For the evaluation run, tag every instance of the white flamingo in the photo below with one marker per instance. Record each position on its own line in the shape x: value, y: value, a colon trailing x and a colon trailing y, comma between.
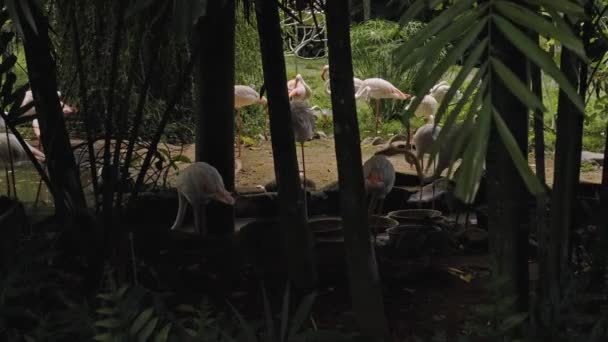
x: 196, y: 185
x: 244, y: 96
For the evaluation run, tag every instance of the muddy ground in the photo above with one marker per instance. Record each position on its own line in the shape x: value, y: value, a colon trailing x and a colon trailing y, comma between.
x: 258, y: 169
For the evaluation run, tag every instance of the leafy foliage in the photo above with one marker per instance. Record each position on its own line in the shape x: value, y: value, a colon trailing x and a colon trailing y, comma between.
x: 468, y: 25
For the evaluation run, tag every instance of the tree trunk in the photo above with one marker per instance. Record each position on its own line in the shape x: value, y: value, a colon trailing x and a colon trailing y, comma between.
x: 297, y: 237
x: 508, y: 198
x: 63, y: 171
x: 362, y: 269
x: 215, y: 125
x: 565, y: 180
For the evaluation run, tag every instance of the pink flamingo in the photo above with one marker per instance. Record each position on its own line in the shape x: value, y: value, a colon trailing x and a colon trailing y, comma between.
x: 377, y: 89
x: 298, y: 89
x: 244, y: 96
x: 357, y: 82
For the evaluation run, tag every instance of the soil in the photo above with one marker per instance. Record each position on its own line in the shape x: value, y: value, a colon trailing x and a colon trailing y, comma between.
x: 258, y: 167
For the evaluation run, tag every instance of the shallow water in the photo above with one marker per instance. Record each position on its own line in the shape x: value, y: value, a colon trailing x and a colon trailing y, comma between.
x: 30, y: 189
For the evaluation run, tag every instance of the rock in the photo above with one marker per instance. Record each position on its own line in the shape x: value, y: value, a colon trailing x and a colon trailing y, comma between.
x: 397, y: 137
x: 319, y: 135
x: 430, y: 192
x: 367, y: 141
x: 592, y: 157
x: 377, y: 141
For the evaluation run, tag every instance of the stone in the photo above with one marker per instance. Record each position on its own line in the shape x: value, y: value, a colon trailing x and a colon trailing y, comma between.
x: 592, y: 157
x: 377, y: 141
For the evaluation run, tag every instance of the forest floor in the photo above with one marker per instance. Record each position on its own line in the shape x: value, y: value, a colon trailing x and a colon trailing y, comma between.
x: 258, y: 167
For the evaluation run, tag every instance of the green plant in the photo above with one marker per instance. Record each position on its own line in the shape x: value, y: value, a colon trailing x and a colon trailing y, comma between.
x: 286, y: 329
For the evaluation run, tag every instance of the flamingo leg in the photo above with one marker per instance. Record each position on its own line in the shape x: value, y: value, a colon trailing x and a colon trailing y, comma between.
x: 377, y: 115
x: 181, y: 212
x: 304, y: 180
x: 239, y: 124
x: 266, y: 124
x: 39, y: 181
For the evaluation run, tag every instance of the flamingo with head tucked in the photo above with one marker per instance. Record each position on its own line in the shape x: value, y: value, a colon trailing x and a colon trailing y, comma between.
x: 298, y: 89
x: 377, y: 89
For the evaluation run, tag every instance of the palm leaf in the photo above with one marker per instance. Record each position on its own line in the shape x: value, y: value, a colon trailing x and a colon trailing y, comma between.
x: 451, y: 33
x: 565, y: 6
x: 516, y: 86
x: 464, y: 72
x: 540, y: 57
x: 450, y: 121
x: 437, y: 24
x: 474, y: 155
x: 532, y: 182
x: 525, y: 17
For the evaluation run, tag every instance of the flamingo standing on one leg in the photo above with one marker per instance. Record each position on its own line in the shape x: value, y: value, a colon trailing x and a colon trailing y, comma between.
x: 377, y: 89
x: 298, y: 89
x: 303, y: 124
x: 357, y: 82
x: 244, y: 96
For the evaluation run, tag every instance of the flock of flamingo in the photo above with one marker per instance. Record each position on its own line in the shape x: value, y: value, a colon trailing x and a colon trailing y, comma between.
x: 200, y: 182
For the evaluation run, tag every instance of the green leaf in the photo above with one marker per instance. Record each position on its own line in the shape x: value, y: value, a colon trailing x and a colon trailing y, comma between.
x: 451, y: 33
x: 521, y: 163
x: 301, y: 314
x: 107, y: 337
x: 449, y: 123
x: 163, y: 335
x: 425, y: 81
x: 270, y: 333
x: 185, y: 308
x: 182, y: 159
x: 249, y: 334
x: 525, y: 17
x: 147, y: 331
x: 513, y: 321
x: 540, y: 57
x: 110, y: 323
x: 106, y: 311
x: 437, y: 24
x: 412, y: 11
x: 564, y: 6
x: 516, y: 86
x: 474, y: 155
x: 141, y: 320
x: 464, y: 72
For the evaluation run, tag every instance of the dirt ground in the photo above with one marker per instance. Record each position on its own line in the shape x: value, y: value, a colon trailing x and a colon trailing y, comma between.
x: 258, y: 169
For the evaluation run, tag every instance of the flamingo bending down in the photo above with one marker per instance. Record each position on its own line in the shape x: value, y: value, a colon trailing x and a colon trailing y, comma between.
x: 198, y: 184
x: 357, y: 82
x: 377, y: 89
x: 298, y: 89
x: 11, y: 151
x: 379, y: 175
x: 244, y: 96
